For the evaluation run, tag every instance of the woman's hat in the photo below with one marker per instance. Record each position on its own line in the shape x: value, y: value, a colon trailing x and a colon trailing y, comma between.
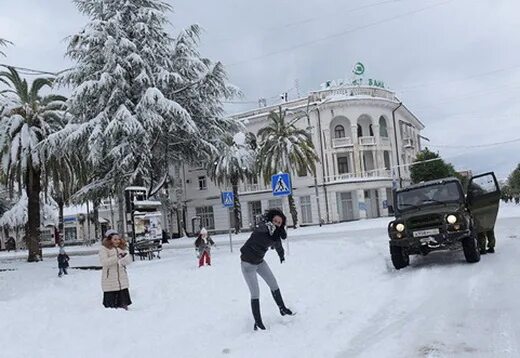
x: 203, y: 231
x: 111, y: 232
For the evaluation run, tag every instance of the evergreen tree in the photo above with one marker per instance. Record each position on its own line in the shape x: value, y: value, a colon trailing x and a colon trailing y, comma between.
x: 514, y: 181
x: 232, y: 162
x: 434, y: 167
x: 140, y: 97
x: 26, y: 120
x: 285, y: 148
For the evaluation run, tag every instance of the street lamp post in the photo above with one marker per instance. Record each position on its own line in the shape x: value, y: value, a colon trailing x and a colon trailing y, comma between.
x: 397, y: 146
x: 307, y: 115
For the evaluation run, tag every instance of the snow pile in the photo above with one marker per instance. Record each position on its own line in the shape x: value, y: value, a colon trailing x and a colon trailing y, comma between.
x: 349, y: 300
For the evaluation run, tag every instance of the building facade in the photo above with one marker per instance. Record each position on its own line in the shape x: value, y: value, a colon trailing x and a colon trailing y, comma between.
x: 365, y: 139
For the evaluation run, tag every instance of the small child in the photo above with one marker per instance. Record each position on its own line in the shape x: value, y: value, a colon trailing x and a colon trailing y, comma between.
x: 203, y: 246
x: 63, y: 262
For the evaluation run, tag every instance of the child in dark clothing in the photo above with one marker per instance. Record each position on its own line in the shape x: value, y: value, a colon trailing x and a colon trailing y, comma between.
x: 63, y: 262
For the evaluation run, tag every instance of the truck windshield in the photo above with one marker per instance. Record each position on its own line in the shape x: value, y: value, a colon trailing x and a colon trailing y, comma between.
x: 428, y: 195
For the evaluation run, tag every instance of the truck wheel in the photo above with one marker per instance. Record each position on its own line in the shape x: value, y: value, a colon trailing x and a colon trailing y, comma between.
x: 470, y: 247
x: 400, y: 258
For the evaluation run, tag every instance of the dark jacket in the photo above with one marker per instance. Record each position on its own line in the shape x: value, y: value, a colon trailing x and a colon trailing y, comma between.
x: 63, y: 261
x: 202, y: 246
x: 260, y: 241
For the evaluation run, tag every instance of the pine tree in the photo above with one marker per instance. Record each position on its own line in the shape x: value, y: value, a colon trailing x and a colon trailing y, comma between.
x: 433, y: 167
x: 285, y: 148
x: 140, y: 98
x: 26, y: 120
x: 233, y: 162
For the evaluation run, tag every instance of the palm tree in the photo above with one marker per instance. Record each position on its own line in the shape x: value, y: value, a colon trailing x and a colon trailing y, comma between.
x: 232, y: 162
x: 4, y: 43
x: 285, y: 148
x: 26, y: 120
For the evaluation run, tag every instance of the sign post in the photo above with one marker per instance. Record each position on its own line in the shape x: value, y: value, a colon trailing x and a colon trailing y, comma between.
x: 228, y: 201
x: 281, y: 185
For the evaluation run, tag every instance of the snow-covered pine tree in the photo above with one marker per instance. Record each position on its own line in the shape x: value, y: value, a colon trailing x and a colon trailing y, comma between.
x: 140, y: 97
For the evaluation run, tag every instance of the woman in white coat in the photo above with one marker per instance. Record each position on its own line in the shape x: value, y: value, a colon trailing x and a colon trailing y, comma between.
x: 114, y: 258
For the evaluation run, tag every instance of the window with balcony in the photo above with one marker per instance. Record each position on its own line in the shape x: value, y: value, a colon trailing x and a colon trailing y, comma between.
x: 343, y: 165
x: 383, y: 129
x: 386, y: 156
x: 339, y: 131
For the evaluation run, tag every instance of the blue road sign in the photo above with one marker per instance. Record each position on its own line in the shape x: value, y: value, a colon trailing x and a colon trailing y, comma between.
x: 228, y: 199
x: 281, y: 184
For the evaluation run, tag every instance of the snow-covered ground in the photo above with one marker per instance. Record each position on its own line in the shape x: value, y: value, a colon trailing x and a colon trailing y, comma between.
x: 350, y: 302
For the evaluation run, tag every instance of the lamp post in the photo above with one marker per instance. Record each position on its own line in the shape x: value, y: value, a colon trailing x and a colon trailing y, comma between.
x: 309, y: 127
x: 397, y: 145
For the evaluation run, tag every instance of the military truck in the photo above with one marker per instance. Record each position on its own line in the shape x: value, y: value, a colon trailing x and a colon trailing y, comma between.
x: 438, y: 215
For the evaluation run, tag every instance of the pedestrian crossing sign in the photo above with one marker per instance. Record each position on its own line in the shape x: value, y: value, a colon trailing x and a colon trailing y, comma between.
x: 228, y: 199
x: 281, y: 184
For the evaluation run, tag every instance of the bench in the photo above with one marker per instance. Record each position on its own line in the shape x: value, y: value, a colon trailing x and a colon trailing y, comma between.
x: 146, y: 249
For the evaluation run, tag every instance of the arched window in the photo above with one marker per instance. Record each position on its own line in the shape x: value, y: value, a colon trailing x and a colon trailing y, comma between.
x: 383, y: 129
x: 359, y: 131
x: 339, y: 131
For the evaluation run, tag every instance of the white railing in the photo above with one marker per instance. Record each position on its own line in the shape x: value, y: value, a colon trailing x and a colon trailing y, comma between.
x: 342, y: 142
x: 247, y: 188
x: 408, y: 143
x: 354, y: 91
x: 385, y: 141
x: 367, y: 140
x: 376, y: 173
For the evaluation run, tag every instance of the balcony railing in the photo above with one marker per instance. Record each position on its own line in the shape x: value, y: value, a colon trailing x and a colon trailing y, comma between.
x: 247, y: 188
x: 367, y: 140
x: 342, y: 142
x: 385, y: 141
x: 371, y: 174
x: 408, y: 143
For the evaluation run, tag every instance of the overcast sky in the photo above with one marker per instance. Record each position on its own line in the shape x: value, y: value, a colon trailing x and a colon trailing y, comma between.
x: 455, y: 64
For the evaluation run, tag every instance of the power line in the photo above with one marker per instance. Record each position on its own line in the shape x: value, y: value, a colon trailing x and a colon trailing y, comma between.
x: 30, y: 71
x: 339, y: 34
x: 312, y: 19
x: 475, y: 146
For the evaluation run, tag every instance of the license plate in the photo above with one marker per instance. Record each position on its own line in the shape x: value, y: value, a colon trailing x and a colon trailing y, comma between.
x: 423, y: 233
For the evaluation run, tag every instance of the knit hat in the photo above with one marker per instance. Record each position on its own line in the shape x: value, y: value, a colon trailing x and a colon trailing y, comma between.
x: 111, y: 232
x: 203, y: 231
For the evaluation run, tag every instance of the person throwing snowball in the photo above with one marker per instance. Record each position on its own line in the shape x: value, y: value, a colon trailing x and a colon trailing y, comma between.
x: 268, y: 234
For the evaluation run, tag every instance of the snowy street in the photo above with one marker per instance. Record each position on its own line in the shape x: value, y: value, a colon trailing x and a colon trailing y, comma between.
x: 350, y: 302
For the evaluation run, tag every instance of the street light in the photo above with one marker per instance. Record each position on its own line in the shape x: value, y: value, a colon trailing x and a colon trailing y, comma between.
x: 397, y: 145
x: 309, y: 127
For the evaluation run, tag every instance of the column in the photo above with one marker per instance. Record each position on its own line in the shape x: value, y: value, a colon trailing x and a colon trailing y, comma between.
x: 356, y: 149
x: 382, y: 198
x: 362, y: 205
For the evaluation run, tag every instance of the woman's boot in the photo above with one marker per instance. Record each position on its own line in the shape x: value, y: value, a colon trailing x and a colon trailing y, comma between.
x: 279, y: 302
x: 255, y: 307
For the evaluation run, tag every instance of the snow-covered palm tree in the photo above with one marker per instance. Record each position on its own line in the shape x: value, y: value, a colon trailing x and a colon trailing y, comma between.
x: 4, y: 43
x: 233, y: 162
x: 27, y: 118
x: 285, y: 148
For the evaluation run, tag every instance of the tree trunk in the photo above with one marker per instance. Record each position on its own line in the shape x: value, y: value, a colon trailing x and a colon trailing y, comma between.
x: 32, y: 234
x: 95, y: 214
x: 61, y: 234
x: 121, y: 222
x: 237, y: 210
x: 292, y: 209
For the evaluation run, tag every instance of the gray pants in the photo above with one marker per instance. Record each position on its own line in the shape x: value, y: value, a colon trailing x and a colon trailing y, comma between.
x: 249, y: 271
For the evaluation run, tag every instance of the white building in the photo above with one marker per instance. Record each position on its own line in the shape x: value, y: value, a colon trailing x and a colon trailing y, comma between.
x: 363, y: 151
